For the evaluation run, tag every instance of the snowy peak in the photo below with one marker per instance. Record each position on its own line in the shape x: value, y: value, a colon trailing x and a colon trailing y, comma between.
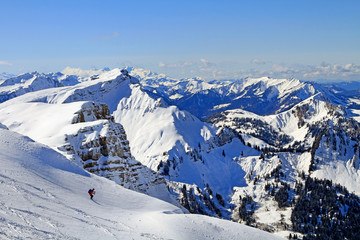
x: 25, y: 83
x: 110, y: 87
x: 280, y: 129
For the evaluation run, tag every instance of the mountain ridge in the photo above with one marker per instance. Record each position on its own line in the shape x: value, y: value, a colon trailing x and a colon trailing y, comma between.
x: 237, y: 165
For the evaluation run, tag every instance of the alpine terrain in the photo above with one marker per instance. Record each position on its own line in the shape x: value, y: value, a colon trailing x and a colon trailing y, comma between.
x: 280, y: 155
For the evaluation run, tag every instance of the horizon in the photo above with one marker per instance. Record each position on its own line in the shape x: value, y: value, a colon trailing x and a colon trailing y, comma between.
x: 306, y: 40
x: 96, y: 71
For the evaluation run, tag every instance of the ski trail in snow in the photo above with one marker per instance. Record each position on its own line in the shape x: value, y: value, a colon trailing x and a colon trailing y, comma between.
x: 31, y: 219
x: 42, y: 200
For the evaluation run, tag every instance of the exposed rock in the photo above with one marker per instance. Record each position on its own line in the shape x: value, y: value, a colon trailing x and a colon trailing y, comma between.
x: 101, y: 146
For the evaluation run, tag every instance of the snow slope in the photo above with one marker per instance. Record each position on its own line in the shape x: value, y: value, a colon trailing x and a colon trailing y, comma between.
x: 161, y: 134
x: 44, y: 196
x: 97, y: 144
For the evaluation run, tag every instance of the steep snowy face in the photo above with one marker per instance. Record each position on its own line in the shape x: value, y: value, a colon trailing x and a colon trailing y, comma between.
x: 155, y: 128
x: 25, y: 83
x: 110, y: 87
x: 194, y: 157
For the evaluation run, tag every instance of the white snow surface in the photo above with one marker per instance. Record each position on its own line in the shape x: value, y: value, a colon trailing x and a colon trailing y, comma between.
x: 44, y: 196
x: 43, y: 122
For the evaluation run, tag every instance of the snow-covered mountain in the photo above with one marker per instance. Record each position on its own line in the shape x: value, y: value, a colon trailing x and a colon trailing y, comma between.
x: 241, y: 164
x: 204, y: 98
x: 312, y: 140
x: 262, y: 96
x: 44, y: 196
x: 12, y: 86
x: 4, y: 76
x: 83, y: 131
x: 172, y: 144
x: 28, y: 82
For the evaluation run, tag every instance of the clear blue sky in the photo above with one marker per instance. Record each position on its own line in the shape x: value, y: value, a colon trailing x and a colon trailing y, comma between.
x: 312, y: 39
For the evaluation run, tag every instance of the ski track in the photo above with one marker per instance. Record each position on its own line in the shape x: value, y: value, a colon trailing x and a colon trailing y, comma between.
x: 34, y: 223
x: 31, y: 219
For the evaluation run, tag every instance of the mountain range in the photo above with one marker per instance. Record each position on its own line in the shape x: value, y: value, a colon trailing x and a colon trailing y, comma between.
x: 253, y: 151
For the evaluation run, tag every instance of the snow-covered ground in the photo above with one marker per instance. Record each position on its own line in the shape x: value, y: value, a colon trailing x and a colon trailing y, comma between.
x: 44, y: 196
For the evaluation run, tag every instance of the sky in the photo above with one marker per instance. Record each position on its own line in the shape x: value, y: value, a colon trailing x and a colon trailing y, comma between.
x: 305, y: 39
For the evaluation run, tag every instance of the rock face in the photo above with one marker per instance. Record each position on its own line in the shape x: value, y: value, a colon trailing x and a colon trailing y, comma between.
x: 100, y: 145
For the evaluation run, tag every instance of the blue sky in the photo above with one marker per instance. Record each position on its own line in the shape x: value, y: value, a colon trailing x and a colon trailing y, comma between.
x: 308, y: 40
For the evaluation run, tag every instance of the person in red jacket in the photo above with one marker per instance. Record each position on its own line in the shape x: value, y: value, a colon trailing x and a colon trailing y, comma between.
x: 91, y: 193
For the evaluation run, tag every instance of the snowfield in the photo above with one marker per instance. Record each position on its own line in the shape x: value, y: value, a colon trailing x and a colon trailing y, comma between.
x: 44, y: 196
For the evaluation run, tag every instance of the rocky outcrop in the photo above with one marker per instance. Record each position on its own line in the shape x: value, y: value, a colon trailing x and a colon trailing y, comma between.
x: 91, y: 112
x: 102, y: 148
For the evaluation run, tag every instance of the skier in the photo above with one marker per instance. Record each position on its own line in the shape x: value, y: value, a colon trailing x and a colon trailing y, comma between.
x: 91, y: 193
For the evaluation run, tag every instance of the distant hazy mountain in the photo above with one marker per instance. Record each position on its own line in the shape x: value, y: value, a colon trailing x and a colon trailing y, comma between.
x: 4, y: 76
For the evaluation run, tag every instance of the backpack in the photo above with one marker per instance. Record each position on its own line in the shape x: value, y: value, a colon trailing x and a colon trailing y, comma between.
x: 90, y: 190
